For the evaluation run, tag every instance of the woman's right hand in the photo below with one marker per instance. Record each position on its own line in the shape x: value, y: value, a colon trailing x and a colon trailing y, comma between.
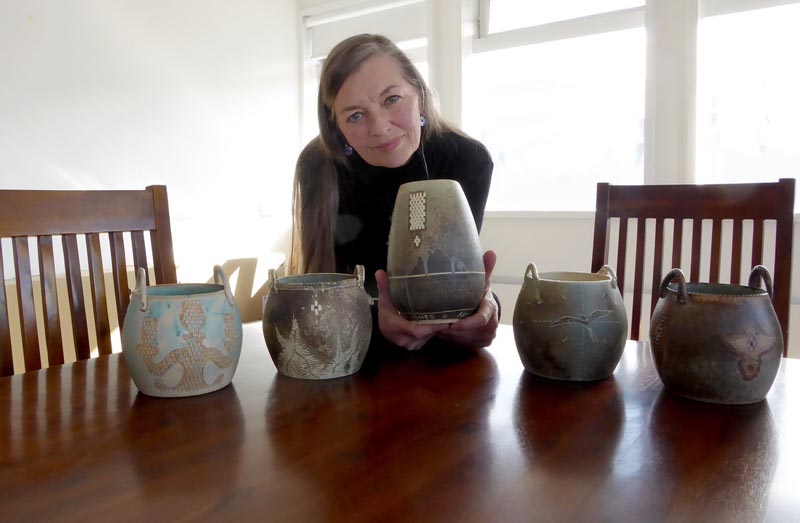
x: 396, y: 329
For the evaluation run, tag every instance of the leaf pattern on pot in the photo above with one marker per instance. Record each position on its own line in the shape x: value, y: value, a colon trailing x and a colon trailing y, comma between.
x: 298, y: 358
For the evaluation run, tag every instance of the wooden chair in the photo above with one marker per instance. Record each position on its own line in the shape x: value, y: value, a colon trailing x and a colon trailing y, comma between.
x: 679, y: 211
x: 106, y: 221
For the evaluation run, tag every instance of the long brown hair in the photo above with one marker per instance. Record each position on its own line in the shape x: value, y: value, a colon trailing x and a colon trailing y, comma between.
x: 315, y: 199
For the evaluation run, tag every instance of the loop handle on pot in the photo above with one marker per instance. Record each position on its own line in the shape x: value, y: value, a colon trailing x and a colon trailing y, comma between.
x: 532, y: 274
x: 606, y: 270
x: 222, y: 279
x: 359, y: 274
x: 671, y: 275
x: 141, y: 287
x: 760, y: 272
x: 271, y: 279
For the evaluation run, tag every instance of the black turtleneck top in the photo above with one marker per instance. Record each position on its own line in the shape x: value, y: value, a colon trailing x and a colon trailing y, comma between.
x: 367, y: 194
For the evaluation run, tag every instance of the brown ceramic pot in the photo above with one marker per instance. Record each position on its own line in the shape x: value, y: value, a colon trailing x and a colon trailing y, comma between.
x: 435, y: 262
x: 317, y: 326
x: 716, y: 342
x: 570, y: 325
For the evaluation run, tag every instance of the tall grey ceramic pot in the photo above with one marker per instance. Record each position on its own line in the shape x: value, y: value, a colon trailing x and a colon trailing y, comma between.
x: 435, y: 261
x: 717, y: 342
x: 570, y: 325
x: 317, y: 326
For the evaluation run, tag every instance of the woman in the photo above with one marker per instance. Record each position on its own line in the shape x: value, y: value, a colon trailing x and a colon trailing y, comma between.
x: 380, y: 128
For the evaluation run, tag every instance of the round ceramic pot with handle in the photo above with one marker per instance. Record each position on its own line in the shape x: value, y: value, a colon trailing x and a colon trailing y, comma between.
x: 435, y: 263
x: 570, y: 325
x: 717, y: 342
x: 317, y: 326
x: 182, y: 339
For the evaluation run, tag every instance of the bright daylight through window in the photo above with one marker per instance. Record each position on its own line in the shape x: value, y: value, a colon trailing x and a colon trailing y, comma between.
x: 560, y: 115
x: 748, y: 103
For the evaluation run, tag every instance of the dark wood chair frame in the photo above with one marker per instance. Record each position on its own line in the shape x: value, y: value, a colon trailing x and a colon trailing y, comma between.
x: 42, y: 215
x: 758, y: 202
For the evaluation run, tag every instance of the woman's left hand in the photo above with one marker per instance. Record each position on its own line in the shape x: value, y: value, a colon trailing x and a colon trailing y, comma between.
x: 477, y: 331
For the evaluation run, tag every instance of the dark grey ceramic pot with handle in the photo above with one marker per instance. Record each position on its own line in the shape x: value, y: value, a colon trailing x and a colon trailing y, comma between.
x: 717, y: 342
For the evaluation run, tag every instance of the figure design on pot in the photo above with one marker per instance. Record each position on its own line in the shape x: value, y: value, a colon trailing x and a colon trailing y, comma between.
x: 749, y: 348
x: 194, y: 355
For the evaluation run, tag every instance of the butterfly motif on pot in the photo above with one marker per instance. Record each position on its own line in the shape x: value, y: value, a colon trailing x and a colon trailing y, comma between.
x: 749, y: 348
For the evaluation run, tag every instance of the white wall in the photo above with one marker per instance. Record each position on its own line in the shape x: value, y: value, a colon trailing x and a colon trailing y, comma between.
x: 198, y: 95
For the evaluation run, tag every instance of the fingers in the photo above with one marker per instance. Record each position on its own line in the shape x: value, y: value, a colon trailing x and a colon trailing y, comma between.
x: 395, y: 328
x: 485, y: 315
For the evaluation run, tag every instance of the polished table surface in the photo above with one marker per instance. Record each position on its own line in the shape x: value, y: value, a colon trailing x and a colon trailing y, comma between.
x: 440, y: 435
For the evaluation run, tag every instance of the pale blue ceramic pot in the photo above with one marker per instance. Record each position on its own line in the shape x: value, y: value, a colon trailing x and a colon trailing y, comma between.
x: 182, y: 339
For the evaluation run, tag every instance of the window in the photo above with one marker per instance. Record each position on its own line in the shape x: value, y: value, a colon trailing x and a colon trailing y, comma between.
x: 505, y: 15
x: 561, y: 113
x: 748, y: 103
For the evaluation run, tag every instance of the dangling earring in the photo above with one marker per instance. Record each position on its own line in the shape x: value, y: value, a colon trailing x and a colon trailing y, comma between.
x: 422, y: 121
x: 347, y: 149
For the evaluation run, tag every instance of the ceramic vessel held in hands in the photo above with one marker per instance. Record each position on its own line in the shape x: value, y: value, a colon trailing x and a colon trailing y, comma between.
x: 435, y: 262
x: 716, y: 342
x: 570, y: 325
x: 182, y: 339
x: 317, y: 326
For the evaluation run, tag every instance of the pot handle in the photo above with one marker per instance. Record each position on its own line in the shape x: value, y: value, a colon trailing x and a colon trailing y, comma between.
x: 141, y: 287
x: 532, y: 274
x: 222, y: 279
x: 359, y: 274
x: 760, y: 272
x: 671, y: 275
x: 271, y: 279
x: 606, y: 270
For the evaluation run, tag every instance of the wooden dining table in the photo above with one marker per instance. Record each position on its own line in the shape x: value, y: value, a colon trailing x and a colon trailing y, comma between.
x: 433, y: 435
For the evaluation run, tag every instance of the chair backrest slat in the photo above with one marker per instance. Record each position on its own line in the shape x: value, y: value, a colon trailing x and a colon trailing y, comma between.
x: 98, y: 286
x: 52, y: 321
x: 120, y: 274
x: 694, y: 254
x: 716, y: 247
x: 736, y: 250
x: 27, y: 311
x: 758, y: 242
x: 139, y: 253
x: 695, y: 209
x: 6, y: 355
x: 77, y: 306
x: 657, y: 260
x: 677, y: 242
x: 621, y: 254
x: 105, y: 220
x: 638, y: 274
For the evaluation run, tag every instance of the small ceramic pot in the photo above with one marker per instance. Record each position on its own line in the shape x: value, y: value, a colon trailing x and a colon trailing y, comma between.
x: 183, y: 339
x: 435, y: 262
x: 317, y: 326
x: 716, y: 342
x: 570, y: 325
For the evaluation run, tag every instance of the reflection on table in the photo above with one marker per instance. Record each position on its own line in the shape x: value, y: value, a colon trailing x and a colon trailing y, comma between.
x: 438, y: 435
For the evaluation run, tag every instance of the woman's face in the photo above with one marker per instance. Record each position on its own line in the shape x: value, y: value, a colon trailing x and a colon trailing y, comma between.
x: 377, y: 110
